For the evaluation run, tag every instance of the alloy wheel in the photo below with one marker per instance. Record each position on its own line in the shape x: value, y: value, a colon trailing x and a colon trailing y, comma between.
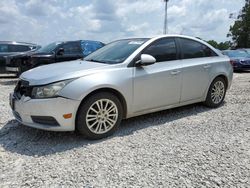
x: 218, y: 91
x: 102, y: 116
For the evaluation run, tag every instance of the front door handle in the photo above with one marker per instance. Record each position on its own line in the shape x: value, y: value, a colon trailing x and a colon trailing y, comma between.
x: 206, y: 66
x: 175, y: 72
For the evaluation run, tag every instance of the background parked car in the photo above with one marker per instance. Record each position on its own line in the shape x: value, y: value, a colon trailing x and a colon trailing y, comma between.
x: 52, y: 53
x: 246, y: 50
x: 240, y: 59
x: 9, y: 48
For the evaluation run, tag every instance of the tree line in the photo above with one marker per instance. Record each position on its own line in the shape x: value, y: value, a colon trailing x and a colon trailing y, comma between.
x: 239, y: 32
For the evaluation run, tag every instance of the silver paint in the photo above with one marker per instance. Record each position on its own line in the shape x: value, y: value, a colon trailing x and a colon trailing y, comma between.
x: 145, y: 89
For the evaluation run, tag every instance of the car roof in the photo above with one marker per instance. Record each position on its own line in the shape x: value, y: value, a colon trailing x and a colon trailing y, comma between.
x: 179, y: 36
x: 233, y: 50
x: 14, y: 42
x: 94, y: 41
x: 75, y: 41
x: 176, y: 36
x: 244, y: 49
x: 162, y: 36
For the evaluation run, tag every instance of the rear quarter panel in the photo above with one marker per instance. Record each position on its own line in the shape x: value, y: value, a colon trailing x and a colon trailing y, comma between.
x: 220, y: 66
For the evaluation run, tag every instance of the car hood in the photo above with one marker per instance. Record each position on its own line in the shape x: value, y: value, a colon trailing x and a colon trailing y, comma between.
x: 61, y: 71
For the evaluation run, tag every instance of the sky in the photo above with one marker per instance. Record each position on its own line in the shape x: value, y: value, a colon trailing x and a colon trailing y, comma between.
x: 46, y: 21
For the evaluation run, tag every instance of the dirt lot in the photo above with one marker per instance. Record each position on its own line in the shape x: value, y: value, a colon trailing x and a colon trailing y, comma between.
x: 191, y: 146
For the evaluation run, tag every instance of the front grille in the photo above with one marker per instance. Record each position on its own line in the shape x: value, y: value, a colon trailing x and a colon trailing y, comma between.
x: 23, y: 88
x: 45, y: 120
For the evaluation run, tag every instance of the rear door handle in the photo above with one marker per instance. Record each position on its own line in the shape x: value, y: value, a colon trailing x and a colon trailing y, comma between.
x: 206, y: 66
x: 175, y: 72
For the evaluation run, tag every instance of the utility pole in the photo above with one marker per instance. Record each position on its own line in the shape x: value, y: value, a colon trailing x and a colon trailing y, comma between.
x: 165, y: 29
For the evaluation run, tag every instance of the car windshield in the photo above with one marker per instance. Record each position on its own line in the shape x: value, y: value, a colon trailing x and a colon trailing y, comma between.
x: 237, y: 53
x: 49, y: 48
x: 116, y: 52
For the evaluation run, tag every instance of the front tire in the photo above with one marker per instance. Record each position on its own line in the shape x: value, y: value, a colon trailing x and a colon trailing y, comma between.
x: 99, y: 115
x: 216, y: 93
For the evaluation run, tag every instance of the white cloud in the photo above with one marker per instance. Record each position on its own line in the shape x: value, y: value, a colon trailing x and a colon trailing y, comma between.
x: 179, y: 11
x: 9, y: 11
x: 46, y: 21
x: 125, y: 7
x: 39, y: 8
x: 138, y: 30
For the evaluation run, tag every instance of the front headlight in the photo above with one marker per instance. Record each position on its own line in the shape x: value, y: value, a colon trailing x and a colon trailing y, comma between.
x: 50, y: 90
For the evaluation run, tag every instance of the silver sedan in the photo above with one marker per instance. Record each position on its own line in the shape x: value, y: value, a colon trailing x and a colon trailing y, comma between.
x: 125, y: 78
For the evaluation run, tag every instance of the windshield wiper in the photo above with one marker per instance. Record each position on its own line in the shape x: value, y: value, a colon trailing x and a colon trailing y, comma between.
x: 94, y: 60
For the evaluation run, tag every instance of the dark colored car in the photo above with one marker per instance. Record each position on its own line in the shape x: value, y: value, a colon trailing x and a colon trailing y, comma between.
x: 9, y: 48
x: 52, y: 53
x: 240, y: 59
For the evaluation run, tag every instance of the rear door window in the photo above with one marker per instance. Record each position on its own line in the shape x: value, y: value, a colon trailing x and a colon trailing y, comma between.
x: 18, y: 48
x: 162, y: 50
x: 194, y: 49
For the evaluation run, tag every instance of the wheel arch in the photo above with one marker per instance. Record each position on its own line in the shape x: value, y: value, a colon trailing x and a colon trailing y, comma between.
x: 211, y: 81
x: 223, y: 76
x: 109, y: 90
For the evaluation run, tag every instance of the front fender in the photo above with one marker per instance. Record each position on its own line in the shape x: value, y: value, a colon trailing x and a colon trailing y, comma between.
x: 119, y: 80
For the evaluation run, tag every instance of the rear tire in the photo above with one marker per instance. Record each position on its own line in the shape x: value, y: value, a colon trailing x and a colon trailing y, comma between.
x: 216, y: 93
x: 99, y: 115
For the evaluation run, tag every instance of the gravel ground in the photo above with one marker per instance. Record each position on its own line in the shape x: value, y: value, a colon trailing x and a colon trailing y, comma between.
x: 191, y: 146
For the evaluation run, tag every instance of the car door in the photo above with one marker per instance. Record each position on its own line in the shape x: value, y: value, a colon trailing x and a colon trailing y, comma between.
x: 159, y: 84
x: 197, y: 61
x: 72, y: 51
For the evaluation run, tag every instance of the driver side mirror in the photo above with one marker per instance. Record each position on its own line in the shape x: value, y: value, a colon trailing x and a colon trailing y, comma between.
x: 60, y: 51
x: 146, y: 60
